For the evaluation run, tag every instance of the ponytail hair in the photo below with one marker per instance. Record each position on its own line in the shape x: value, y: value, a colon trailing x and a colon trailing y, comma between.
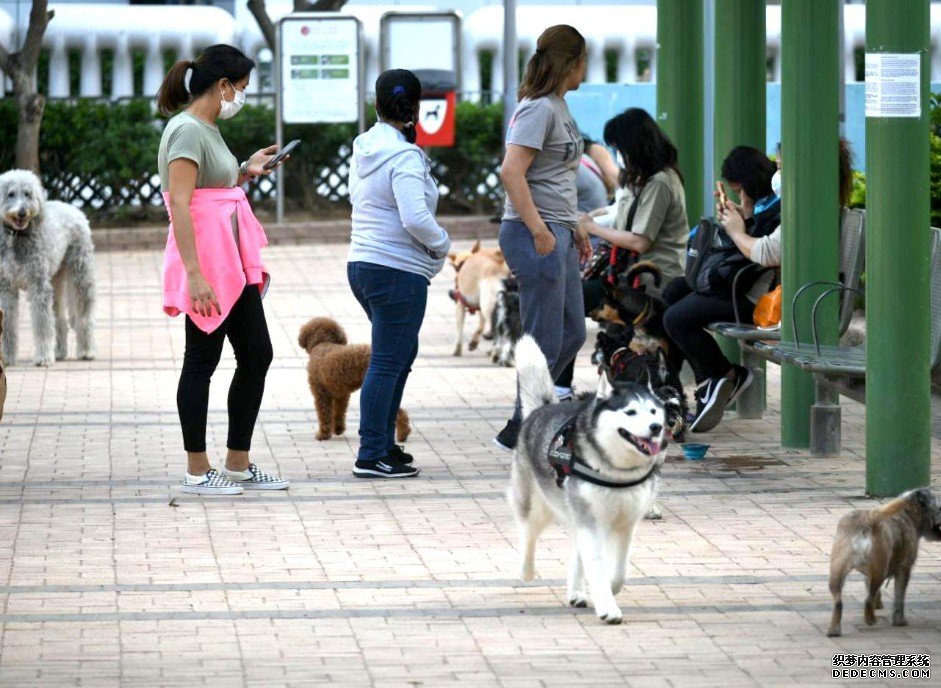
x: 558, y: 49
x: 189, y: 79
x: 398, y: 92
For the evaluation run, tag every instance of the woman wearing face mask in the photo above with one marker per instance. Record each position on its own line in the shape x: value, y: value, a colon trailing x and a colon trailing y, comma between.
x: 213, y: 271
x: 748, y: 172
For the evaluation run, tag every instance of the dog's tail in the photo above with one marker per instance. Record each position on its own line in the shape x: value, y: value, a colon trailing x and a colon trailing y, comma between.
x: 319, y: 331
x: 887, y: 510
x: 535, y: 381
x: 643, y: 267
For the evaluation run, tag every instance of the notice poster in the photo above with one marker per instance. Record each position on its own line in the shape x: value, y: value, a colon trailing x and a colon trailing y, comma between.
x: 893, y: 85
x: 320, y: 63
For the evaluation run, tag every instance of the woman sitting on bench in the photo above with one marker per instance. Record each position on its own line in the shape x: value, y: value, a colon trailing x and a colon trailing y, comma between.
x: 755, y: 228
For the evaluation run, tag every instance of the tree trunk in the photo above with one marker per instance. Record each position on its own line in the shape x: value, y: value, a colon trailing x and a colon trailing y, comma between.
x: 20, y: 67
x: 29, y: 106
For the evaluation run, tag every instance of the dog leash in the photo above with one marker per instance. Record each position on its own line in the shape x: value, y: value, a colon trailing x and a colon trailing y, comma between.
x: 564, y: 461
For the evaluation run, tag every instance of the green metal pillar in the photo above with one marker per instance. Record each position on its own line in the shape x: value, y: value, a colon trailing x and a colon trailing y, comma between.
x: 898, y: 401
x: 740, y: 88
x: 680, y: 90
x: 810, y: 131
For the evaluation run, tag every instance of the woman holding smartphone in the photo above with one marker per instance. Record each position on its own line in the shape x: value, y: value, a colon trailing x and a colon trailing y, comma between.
x: 539, y: 235
x: 213, y: 271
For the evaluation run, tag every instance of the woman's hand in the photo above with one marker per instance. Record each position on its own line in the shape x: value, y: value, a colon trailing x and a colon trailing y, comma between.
x: 583, y: 243
x: 731, y: 218
x: 544, y: 241
x: 587, y: 224
x: 203, y: 297
x: 260, y: 158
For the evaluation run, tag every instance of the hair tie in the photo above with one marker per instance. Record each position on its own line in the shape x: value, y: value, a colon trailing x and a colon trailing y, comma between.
x: 398, y: 90
x: 188, y: 77
x: 408, y: 124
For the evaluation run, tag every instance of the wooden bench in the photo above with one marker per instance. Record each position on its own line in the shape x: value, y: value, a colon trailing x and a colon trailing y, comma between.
x: 842, y: 369
x: 751, y: 404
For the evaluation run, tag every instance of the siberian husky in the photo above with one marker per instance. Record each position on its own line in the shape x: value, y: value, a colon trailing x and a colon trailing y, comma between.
x: 593, y: 467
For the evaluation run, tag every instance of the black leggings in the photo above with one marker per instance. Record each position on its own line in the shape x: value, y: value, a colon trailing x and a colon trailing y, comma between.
x: 247, y: 331
x: 686, y: 317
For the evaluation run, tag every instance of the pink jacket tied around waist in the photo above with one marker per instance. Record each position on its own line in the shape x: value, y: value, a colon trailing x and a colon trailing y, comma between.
x: 228, y: 263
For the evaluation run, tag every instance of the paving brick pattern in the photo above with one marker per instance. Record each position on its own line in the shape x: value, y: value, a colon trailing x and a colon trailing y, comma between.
x: 358, y: 583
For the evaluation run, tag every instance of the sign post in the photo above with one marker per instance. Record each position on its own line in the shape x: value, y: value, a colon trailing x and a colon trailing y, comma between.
x: 318, y: 76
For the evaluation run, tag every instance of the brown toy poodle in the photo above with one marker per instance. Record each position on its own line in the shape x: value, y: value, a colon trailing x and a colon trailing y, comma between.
x: 336, y: 370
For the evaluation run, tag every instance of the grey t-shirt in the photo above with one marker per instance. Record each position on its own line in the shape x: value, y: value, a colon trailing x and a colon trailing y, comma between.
x: 547, y: 125
x: 589, y: 186
x: 189, y: 137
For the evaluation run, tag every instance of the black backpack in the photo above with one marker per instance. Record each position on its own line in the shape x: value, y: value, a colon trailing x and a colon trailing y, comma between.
x: 713, y: 259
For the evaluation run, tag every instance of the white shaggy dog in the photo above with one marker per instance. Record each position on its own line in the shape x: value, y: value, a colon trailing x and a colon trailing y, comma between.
x: 46, y: 250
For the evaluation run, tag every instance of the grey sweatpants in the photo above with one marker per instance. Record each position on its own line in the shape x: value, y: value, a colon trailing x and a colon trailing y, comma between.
x: 551, y: 303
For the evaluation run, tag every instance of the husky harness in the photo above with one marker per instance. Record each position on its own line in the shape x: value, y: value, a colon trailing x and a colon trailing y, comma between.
x: 564, y: 461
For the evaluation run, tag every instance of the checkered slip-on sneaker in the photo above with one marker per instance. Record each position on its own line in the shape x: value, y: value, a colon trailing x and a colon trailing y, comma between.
x: 210, y: 483
x: 256, y: 479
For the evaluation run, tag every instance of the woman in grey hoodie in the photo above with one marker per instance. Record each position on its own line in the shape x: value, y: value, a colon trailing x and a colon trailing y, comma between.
x: 396, y: 248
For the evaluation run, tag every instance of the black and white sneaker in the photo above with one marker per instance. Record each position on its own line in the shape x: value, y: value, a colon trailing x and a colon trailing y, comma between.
x: 712, y: 396
x: 253, y: 478
x: 743, y: 378
x: 383, y: 468
x: 399, y: 454
x: 506, y: 439
x: 212, y: 482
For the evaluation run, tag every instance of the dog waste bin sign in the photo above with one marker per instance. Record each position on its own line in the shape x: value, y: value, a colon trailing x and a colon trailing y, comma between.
x: 436, y: 113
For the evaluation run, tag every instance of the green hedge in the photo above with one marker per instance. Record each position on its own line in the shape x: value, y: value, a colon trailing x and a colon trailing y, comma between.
x: 109, y: 151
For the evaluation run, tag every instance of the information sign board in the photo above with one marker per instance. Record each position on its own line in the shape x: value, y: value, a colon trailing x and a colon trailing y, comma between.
x: 321, y: 64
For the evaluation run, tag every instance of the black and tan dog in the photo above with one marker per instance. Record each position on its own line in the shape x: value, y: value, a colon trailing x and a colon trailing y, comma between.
x: 882, y: 543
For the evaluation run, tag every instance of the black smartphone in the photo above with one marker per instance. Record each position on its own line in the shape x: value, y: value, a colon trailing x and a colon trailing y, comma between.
x: 280, y: 155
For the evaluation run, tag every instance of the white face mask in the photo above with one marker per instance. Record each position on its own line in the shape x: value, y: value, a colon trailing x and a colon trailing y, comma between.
x: 776, y: 183
x: 230, y: 108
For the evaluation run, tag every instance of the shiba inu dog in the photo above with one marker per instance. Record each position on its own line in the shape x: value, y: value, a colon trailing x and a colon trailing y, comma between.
x: 592, y: 466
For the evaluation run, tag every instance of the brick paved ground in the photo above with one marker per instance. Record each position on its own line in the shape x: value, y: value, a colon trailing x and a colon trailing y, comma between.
x: 355, y: 583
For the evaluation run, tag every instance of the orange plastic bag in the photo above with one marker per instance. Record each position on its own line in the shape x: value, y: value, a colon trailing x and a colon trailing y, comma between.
x: 768, y: 309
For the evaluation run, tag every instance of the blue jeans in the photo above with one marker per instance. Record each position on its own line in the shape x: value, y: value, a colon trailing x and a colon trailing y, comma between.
x: 394, y: 301
x: 551, y: 302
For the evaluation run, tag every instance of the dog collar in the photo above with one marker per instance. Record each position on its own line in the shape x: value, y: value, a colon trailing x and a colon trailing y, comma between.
x: 566, y: 463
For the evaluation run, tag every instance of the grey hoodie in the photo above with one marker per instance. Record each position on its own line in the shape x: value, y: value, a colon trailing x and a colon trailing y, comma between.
x: 394, y: 199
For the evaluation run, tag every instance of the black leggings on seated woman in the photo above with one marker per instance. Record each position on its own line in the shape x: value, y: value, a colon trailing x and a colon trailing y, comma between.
x: 685, y: 320
x: 247, y: 331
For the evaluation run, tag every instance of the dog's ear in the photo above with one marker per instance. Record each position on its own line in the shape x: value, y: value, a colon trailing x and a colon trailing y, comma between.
x: 452, y: 257
x: 605, y: 388
x: 923, y: 497
x: 475, y: 247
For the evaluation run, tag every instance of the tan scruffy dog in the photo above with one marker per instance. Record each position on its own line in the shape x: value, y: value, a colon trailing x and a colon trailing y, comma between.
x: 336, y: 370
x: 3, y: 374
x: 882, y: 543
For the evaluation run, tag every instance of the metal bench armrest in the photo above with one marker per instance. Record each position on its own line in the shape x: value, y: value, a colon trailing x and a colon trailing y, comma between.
x: 748, y: 268
x: 797, y: 295
x: 813, y: 314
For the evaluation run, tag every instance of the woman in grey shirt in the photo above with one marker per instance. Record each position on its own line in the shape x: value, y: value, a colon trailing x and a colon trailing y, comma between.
x: 539, y: 235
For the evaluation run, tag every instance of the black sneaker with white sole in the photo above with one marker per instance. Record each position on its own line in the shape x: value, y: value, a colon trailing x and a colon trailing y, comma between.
x: 743, y: 378
x: 712, y: 396
x: 383, y: 468
x: 399, y: 454
x: 506, y: 439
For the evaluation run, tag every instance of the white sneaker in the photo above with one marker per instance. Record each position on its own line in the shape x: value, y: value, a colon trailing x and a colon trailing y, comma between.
x: 255, y: 479
x: 210, y: 483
